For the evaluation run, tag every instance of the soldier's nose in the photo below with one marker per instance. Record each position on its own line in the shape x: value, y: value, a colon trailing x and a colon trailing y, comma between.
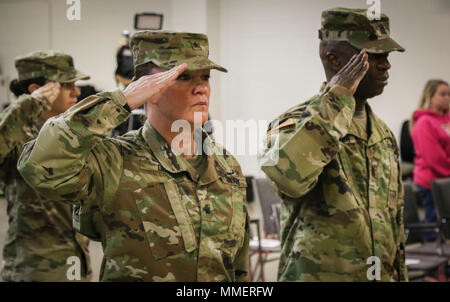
x: 200, y: 89
x: 76, y: 91
x: 384, y: 64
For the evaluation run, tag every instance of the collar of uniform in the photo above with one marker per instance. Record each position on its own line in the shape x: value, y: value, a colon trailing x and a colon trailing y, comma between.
x: 323, y: 87
x: 354, y: 131
x: 161, y: 150
x: 379, y: 129
x: 172, y: 163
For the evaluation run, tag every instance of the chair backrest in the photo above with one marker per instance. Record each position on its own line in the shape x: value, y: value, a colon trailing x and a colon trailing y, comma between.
x: 267, y: 198
x: 411, y: 213
x: 250, y: 193
x: 407, y: 152
x: 276, y: 210
x: 440, y: 189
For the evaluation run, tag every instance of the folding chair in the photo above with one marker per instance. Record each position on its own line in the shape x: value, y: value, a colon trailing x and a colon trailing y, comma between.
x: 425, y: 258
x: 441, y: 197
x: 267, y: 239
x: 440, y: 189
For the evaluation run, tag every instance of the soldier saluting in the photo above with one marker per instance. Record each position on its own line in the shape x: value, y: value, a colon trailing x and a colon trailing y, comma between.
x: 160, y: 216
x: 40, y: 236
x: 338, y: 172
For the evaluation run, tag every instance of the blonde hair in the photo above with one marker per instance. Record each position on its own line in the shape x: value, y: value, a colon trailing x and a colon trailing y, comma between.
x: 425, y: 100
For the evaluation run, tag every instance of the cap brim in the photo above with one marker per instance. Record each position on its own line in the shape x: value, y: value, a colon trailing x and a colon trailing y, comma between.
x: 77, y: 77
x: 194, y: 64
x: 378, y: 46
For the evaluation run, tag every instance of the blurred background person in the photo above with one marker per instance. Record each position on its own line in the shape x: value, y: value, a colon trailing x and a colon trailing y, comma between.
x: 123, y: 75
x: 430, y: 126
x: 40, y: 237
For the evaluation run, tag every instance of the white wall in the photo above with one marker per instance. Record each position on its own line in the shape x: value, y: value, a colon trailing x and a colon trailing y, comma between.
x: 18, y: 35
x: 29, y: 25
x: 270, y: 47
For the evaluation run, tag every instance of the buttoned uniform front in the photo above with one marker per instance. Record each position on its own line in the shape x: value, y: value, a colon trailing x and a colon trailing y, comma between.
x: 341, y: 192
x: 157, y: 218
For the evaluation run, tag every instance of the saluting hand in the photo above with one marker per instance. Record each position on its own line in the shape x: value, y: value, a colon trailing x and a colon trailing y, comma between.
x: 149, y: 87
x: 50, y: 91
x: 352, y: 73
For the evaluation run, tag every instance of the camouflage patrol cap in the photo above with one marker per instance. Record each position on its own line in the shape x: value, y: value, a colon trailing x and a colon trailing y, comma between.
x: 168, y: 49
x: 49, y: 64
x: 353, y: 26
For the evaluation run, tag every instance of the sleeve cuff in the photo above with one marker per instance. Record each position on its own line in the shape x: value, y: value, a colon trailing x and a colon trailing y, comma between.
x: 41, y: 100
x: 341, y: 91
x: 344, y: 97
x: 119, y: 98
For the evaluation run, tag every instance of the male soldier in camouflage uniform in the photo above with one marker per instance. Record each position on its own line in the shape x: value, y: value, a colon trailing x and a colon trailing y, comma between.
x: 338, y: 172
x: 160, y: 216
x: 40, y: 237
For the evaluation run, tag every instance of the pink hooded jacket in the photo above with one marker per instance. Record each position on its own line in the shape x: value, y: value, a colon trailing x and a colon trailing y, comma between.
x: 432, y: 146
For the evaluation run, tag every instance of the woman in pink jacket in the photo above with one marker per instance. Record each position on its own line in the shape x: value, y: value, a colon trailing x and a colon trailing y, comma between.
x: 431, y: 136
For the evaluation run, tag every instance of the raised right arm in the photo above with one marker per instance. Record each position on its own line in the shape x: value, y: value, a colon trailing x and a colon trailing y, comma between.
x: 70, y: 159
x: 306, y: 140
x: 17, y: 120
x: 303, y: 141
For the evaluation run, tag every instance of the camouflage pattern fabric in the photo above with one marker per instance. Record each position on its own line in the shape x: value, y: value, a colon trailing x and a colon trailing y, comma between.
x: 342, y: 195
x: 40, y: 236
x: 157, y: 219
x: 168, y: 49
x: 49, y: 64
x: 353, y: 26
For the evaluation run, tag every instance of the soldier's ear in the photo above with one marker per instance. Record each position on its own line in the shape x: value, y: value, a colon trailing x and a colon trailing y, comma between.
x: 33, y: 87
x: 333, y: 61
x: 153, y: 100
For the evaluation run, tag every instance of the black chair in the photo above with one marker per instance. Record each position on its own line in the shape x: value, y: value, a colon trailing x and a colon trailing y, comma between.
x: 441, y: 196
x: 250, y: 192
x: 413, y: 226
x: 407, y: 152
x: 440, y: 247
x: 420, y: 266
x: 426, y: 258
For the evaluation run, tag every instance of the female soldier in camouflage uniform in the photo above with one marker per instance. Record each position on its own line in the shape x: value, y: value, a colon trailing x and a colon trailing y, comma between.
x: 160, y: 216
x: 40, y: 237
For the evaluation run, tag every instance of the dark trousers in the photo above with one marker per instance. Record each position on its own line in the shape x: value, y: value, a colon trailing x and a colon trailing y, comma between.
x: 430, y: 212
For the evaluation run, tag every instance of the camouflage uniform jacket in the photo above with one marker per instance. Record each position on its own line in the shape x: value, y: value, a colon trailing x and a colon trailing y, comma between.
x: 40, y: 236
x: 156, y: 223
x: 342, y: 194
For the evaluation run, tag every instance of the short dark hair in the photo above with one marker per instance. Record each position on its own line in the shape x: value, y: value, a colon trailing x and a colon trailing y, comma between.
x: 143, y: 70
x: 21, y: 87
